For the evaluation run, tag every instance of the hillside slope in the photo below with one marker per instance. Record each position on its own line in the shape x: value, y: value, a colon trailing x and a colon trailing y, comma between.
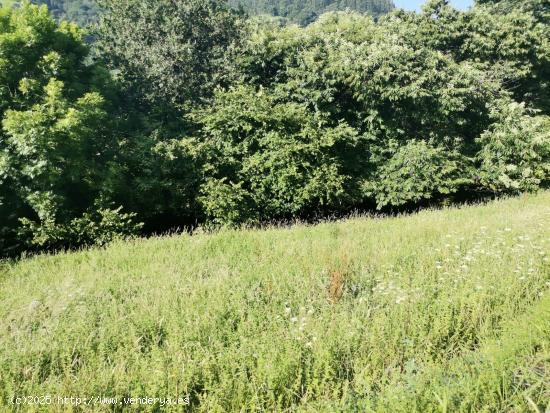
x: 443, y: 310
x: 82, y: 12
x: 306, y: 11
x: 298, y: 11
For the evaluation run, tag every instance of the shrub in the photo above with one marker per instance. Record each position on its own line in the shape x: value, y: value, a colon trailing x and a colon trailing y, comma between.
x: 419, y: 171
x: 267, y: 160
x: 515, y: 154
x: 59, y: 149
x: 99, y: 225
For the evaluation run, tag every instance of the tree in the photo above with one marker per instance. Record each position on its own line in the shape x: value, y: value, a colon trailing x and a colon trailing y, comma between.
x: 538, y: 8
x: 209, y: 118
x: 504, y: 38
x: 169, y: 51
x: 82, y: 12
x: 56, y: 146
x: 515, y: 154
x: 341, y: 114
x: 264, y: 160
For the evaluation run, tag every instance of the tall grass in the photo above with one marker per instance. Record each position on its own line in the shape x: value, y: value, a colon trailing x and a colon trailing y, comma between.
x: 441, y: 311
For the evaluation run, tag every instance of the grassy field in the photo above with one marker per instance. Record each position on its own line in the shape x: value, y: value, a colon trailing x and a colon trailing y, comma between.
x: 440, y: 311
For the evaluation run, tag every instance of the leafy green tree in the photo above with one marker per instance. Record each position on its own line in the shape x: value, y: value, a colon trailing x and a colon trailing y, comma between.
x: 170, y: 51
x: 538, y: 8
x: 265, y: 160
x: 510, y: 43
x: 305, y: 11
x: 515, y: 154
x: 56, y: 146
x: 164, y: 72
x: 384, y: 88
x: 516, y: 39
x: 417, y: 113
x: 82, y: 12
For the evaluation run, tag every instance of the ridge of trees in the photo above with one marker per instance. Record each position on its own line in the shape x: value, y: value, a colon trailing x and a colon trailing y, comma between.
x: 185, y: 113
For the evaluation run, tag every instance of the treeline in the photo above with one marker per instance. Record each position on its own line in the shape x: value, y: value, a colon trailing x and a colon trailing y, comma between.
x: 184, y: 112
x: 84, y: 12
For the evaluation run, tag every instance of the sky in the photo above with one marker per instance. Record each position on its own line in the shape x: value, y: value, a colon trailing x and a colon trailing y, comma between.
x: 416, y: 4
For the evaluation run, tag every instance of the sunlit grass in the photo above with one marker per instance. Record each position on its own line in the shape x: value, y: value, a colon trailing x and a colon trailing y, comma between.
x: 439, y: 311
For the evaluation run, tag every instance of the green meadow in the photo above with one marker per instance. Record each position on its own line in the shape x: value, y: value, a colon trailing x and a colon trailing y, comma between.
x: 439, y: 311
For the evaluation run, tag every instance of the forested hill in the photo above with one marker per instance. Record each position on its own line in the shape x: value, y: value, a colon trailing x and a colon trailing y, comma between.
x: 306, y: 11
x: 82, y: 12
x: 299, y: 11
x: 303, y: 12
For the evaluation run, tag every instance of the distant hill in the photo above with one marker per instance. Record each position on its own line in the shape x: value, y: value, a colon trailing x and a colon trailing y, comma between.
x: 306, y: 11
x: 84, y: 12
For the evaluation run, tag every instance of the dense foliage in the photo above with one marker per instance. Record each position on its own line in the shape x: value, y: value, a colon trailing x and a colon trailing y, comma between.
x: 169, y: 51
x: 188, y: 113
x: 56, y: 151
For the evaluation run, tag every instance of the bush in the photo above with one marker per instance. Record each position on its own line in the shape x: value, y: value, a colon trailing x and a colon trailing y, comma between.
x: 100, y: 225
x: 515, y: 154
x: 419, y: 171
x: 58, y: 150
x: 265, y: 160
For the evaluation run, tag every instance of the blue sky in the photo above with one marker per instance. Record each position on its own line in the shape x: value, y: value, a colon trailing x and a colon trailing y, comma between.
x: 415, y: 4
